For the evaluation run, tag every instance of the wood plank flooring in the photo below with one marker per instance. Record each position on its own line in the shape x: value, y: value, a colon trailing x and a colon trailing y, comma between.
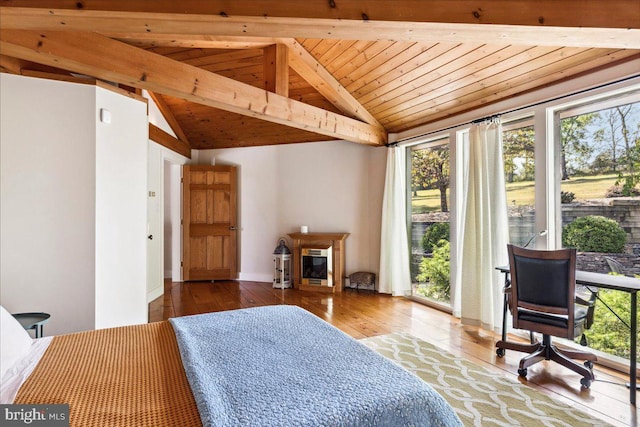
x: 363, y: 314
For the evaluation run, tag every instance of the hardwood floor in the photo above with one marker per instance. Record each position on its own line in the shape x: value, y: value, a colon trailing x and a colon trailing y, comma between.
x: 363, y: 314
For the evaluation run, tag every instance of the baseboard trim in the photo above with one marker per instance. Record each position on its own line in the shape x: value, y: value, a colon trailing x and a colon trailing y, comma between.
x: 155, y: 293
x: 256, y: 277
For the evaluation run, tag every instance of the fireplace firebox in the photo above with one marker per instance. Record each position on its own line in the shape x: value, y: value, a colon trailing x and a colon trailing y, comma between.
x: 317, y: 266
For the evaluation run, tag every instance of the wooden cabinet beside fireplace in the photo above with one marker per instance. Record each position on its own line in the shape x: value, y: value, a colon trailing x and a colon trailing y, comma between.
x: 319, y: 240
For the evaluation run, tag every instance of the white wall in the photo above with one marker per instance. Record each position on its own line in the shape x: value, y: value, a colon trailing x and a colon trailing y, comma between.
x: 327, y: 186
x: 121, y: 211
x: 69, y: 223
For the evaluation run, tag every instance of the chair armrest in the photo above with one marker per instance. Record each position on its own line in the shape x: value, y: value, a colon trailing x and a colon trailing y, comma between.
x: 587, y: 298
x: 589, y: 303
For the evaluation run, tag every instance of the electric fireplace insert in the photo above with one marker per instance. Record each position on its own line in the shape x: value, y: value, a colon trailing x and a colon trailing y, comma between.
x: 317, y: 266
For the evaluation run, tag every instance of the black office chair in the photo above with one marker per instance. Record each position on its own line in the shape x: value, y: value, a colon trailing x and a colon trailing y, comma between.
x: 542, y: 299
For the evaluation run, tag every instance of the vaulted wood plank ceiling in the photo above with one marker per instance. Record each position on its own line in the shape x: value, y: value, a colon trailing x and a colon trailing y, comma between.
x: 247, y: 73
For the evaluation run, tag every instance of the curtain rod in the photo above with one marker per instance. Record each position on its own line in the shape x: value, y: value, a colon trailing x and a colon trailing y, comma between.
x: 515, y: 110
x: 486, y: 119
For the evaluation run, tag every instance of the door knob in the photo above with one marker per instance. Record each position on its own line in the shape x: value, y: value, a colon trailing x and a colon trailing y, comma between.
x: 232, y: 228
x: 150, y: 237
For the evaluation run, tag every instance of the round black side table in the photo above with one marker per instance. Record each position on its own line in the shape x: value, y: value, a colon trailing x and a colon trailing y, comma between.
x: 33, y: 321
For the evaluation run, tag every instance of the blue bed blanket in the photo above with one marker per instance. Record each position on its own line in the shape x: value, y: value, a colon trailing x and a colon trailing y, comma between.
x: 283, y: 366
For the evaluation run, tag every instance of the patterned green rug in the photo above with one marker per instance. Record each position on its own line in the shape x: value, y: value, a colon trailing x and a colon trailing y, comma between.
x: 479, y: 397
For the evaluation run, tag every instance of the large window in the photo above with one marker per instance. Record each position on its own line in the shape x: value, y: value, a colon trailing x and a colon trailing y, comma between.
x: 599, y: 168
x: 571, y: 165
x: 430, y: 247
x: 518, y: 139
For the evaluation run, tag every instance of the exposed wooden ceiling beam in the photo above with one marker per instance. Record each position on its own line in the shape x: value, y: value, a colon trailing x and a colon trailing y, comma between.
x: 307, y: 67
x: 195, y: 41
x: 169, y: 117
x: 108, y: 59
x: 11, y: 65
x: 614, y: 23
x: 318, y: 77
x: 276, y: 69
x: 166, y: 140
x: 538, y: 13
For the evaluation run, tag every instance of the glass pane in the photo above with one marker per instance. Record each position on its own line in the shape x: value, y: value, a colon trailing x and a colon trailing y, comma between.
x: 519, y: 172
x: 430, y: 250
x: 600, y: 203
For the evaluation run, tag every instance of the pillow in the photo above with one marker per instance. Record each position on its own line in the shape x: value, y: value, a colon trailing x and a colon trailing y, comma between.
x: 15, y: 342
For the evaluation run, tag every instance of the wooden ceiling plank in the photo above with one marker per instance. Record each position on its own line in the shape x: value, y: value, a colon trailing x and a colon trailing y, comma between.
x: 334, y: 52
x: 276, y: 69
x: 485, y: 94
x: 225, y: 60
x: 309, y: 44
x: 313, y: 72
x: 482, y: 98
x: 166, y: 140
x: 474, y: 67
x: 348, y: 72
x: 351, y: 73
x: 253, y: 75
x: 343, y: 58
x: 521, y: 70
x: 399, y: 64
x: 169, y: 117
x: 393, y: 78
x: 322, y: 47
x: 607, y: 30
x: 413, y: 81
x: 96, y: 55
x: 536, y: 13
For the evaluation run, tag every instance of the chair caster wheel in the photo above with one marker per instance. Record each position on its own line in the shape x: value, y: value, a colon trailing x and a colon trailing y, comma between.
x: 522, y: 372
x: 589, y: 365
x: 586, y: 383
x: 500, y: 352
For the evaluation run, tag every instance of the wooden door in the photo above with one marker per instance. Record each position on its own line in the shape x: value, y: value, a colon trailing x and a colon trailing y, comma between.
x: 209, y: 224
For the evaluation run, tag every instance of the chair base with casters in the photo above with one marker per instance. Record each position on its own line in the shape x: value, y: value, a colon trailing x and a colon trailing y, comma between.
x: 545, y: 350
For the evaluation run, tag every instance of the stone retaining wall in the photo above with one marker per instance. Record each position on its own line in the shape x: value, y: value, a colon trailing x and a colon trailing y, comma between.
x: 596, y: 262
x: 626, y: 211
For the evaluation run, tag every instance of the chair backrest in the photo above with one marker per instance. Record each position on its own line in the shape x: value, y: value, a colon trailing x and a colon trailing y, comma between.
x: 614, y: 265
x: 543, y: 290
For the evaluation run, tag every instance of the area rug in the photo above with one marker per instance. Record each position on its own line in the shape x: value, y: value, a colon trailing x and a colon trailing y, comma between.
x: 479, y: 397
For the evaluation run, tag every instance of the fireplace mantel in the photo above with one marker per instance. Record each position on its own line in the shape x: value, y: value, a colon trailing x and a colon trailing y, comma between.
x: 336, y: 241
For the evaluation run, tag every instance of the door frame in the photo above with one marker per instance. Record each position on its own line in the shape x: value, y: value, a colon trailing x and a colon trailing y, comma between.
x: 176, y: 161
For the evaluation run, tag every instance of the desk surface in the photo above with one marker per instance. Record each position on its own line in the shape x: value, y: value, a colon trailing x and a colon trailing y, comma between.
x: 608, y: 281
x: 600, y: 280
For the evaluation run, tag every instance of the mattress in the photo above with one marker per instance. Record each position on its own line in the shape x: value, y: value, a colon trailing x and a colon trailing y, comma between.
x: 265, y: 366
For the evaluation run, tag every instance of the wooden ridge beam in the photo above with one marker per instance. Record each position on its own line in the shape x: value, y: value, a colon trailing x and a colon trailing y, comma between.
x: 538, y: 13
x: 606, y: 29
x: 167, y: 140
x: 111, y: 60
x: 195, y: 41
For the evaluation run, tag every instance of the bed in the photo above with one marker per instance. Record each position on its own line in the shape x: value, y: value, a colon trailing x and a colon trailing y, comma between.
x: 264, y: 366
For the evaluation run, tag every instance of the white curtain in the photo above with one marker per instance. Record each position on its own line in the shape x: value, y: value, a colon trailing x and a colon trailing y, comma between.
x: 483, y: 229
x: 394, y: 277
